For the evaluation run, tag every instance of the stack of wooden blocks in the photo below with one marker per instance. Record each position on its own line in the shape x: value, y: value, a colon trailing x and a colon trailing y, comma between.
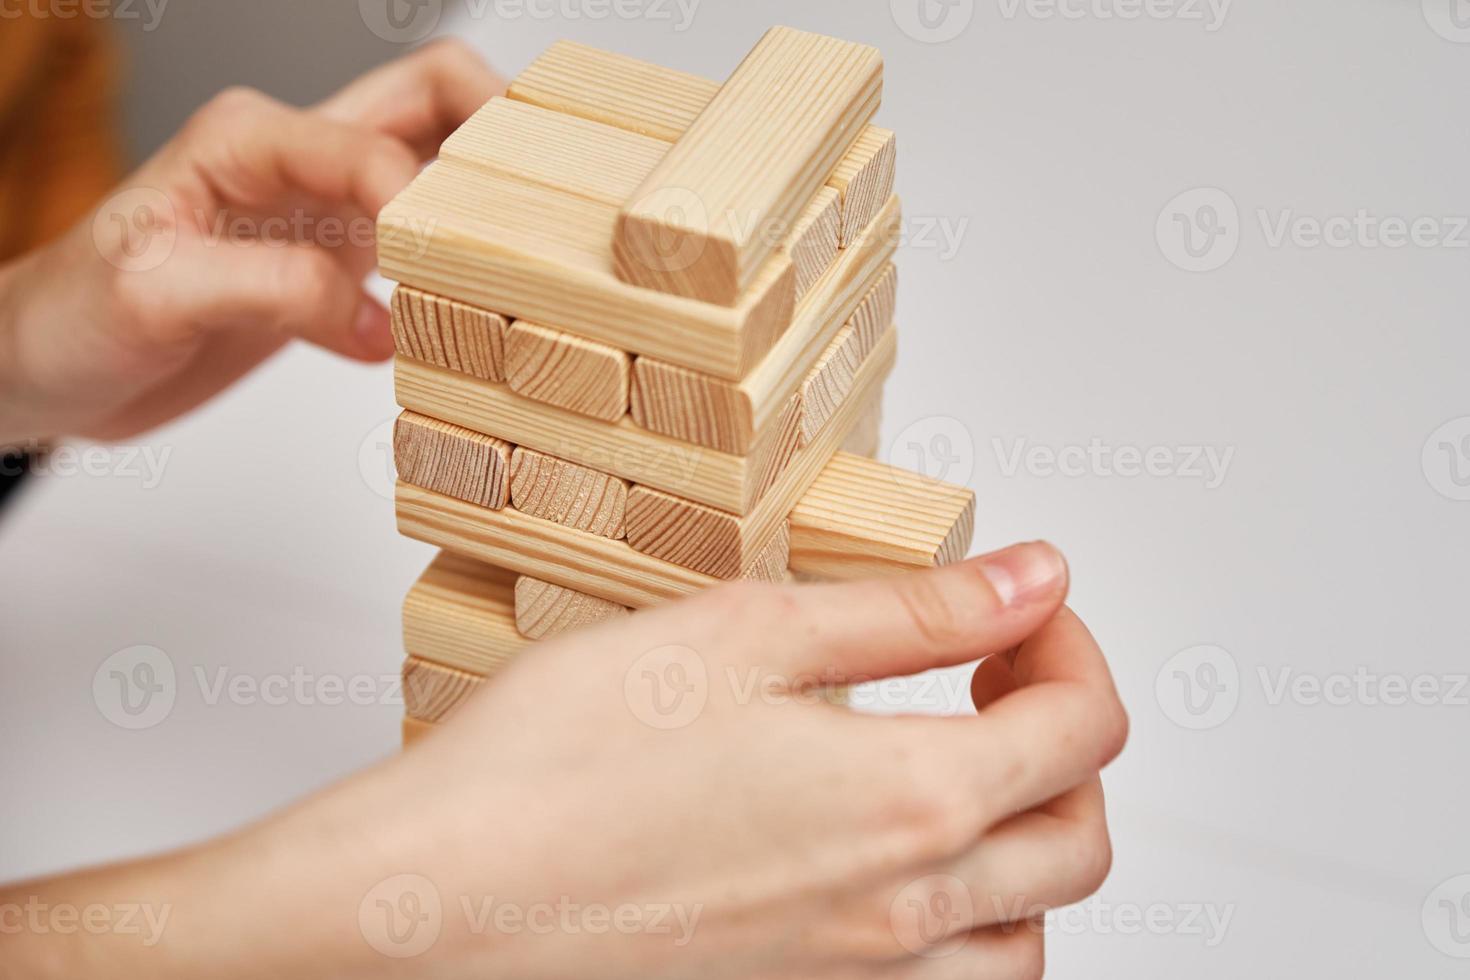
x: 644, y: 321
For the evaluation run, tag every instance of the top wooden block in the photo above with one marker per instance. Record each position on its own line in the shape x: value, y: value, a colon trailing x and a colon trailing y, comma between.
x: 720, y: 203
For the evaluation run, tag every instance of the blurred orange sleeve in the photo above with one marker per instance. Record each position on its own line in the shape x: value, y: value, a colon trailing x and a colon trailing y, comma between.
x: 60, y: 140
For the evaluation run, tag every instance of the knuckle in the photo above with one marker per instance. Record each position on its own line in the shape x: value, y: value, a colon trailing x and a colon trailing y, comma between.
x: 1030, y: 955
x: 936, y: 821
x: 1113, y: 728
x: 226, y: 109
x: 1091, y: 859
x: 451, y: 50
x: 308, y: 281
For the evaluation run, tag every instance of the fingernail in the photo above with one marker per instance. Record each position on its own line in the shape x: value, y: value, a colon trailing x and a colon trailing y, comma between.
x: 1026, y: 572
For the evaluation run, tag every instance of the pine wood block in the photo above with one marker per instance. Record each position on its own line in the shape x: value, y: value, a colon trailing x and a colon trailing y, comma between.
x: 535, y: 253
x: 695, y: 536
x: 699, y: 226
x: 448, y: 333
x: 816, y: 239
x: 431, y: 692
x: 556, y: 490
x: 461, y: 613
x: 544, y: 610
x: 569, y: 372
x: 414, y: 731
x: 623, y: 449
x: 862, y: 518
x: 453, y: 460
x: 727, y: 416
x: 866, y: 438
x: 648, y: 99
x: 834, y: 374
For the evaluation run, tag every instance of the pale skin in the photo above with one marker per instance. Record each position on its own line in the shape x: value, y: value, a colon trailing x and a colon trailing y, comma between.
x: 664, y: 797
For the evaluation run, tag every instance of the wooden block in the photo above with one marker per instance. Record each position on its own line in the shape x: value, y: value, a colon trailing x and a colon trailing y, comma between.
x: 815, y: 241
x: 535, y: 253
x: 560, y: 369
x: 450, y: 334
x: 723, y: 415
x: 556, y: 490
x: 544, y: 610
x: 453, y: 460
x: 700, y: 225
x: 866, y: 438
x: 698, y: 537
x: 623, y: 449
x: 461, y: 613
x: 414, y: 731
x: 432, y: 692
x: 834, y: 374
x: 651, y: 100
x: 862, y: 519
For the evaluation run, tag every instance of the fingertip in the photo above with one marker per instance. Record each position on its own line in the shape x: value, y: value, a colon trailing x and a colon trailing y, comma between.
x: 1026, y: 574
x: 372, y: 332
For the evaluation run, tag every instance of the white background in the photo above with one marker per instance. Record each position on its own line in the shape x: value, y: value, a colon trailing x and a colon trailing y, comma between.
x: 1054, y: 144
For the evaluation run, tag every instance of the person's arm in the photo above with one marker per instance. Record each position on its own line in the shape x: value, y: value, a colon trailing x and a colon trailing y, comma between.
x: 252, y: 227
x: 673, y: 796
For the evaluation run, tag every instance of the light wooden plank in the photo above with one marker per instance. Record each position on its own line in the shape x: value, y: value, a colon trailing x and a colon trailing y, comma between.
x: 651, y: 100
x: 701, y: 225
x: 866, y: 437
x: 727, y: 416
x: 816, y: 239
x: 695, y: 536
x: 544, y: 609
x: 448, y: 333
x: 623, y: 449
x: 531, y: 252
x: 556, y: 490
x: 453, y: 460
x: 862, y: 518
x: 832, y: 377
x: 432, y: 692
x: 461, y: 613
x: 567, y: 371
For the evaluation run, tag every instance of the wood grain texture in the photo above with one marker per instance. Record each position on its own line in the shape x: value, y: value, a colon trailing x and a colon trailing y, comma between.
x: 453, y: 460
x: 432, y: 692
x: 651, y: 100
x: 750, y: 162
x: 545, y: 610
x: 816, y: 239
x: 556, y: 490
x: 535, y: 253
x: 623, y: 449
x: 719, y: 414
x: 461, y: 613
x: 835, y: 372
x: 866, y: 437
x: 698, y: 537
x: 450, y: 334
x: 862, y: 518
x: 567, y: 371
x: 527, y: 545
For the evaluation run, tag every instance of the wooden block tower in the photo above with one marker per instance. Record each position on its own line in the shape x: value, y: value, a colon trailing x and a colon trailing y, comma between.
x: 643, y: 324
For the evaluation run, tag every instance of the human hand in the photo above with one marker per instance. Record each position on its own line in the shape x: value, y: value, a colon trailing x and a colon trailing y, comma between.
x: 254, y: 225
x: 679, y: 766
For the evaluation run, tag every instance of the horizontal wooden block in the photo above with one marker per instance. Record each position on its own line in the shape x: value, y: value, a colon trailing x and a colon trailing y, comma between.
x: 432, y: 692
x: 570, y: 372
x: 651, y: 100
x: 698, y: 537
x: 450, y: 334
x: 461, y: 613
x: 862, y: 518
x: 623, y: 449
x: 527, y: 545
x: 544, y: 610
x: 832, y: 378
x: 727, y: 416
x: 556, y: 490
x: 536, y: 253
x: 700, y: 225
x: 816, y: 239
x: 453, y: 460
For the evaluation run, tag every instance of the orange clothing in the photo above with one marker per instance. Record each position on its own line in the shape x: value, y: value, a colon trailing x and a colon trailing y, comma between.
x: 60, y: 147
